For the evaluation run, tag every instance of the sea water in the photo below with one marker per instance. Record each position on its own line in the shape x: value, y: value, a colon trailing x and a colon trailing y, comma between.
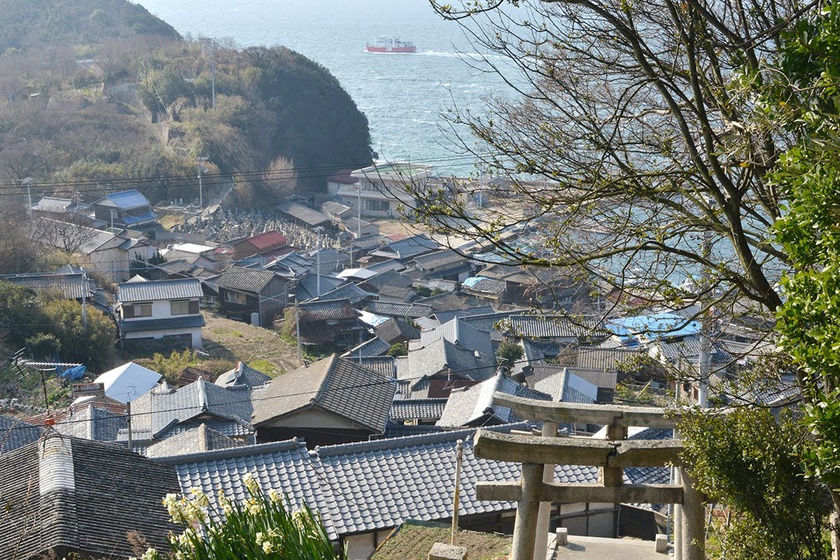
x: 406, y: 97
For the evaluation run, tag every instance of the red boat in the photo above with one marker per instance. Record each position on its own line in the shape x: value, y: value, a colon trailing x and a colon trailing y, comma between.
x: 391, y: 45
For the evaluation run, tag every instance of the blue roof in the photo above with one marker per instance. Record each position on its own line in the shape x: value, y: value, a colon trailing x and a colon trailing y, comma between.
x: 653, y: 327
x: 128, y: 199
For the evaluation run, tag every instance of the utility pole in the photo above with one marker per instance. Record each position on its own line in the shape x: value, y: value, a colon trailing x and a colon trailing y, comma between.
x: 28, y: 183
x: 200, y: 187
x: 359, y: 210
x: 84, y: 300
x: 297, y: 326
x: 456, y: 495
x: 318, y: 261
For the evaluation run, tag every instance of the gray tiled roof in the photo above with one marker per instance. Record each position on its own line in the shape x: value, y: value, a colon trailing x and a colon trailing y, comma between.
x: 197, y: 439
x: 245, y: 279
x: 410, y: 310
x: 184, y: 288
x: 327, y: 309
x: 113, y: 491
x: 446, y: 315
x: 436, y: 259
x: 602, y: 358
x: 303, y: 213
x: 385, y: 482
x: 16, y: 433
x: 407, y: 248
x: 160, y: 410
x: 72, y: 286
x: 394, y: 430
x: 374, y: 485
x: 143, y: 325
x: 373, y: 347
x: 688, y: 348
x: 564, y: 384
x: 383, y: 365
x: 394, y: 329
x: 334, y: 384
x: 286, y: 467
x: 482, y: 285
x: 388, y: 278
x: 348, y: 291
x: 417, y: 409
x: 426, y: 323
x: 307, y: 288
x: 90, y: 422
x: 470, y: 404
x: 442, y: 302
x: 442, y: 355
x: 242, y: 374
x: 462, y: 334
x: 532, y: 326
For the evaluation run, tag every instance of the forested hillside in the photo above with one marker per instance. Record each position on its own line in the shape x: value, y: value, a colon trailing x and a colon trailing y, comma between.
x: 106, y: 101
x: 35, y: 23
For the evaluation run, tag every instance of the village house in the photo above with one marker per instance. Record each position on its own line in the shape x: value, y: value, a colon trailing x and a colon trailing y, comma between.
x: 166, y: 311
x: 127, y: 209
x: 269, y: 244
x: 199, y: 416
x: 72, y: 497
x: 333, y: 400
x: 77, y: 286
x: 329, y: 323
x: 105, y: 252
x: 363, y: 490
x: 251, y: 295
x: 381, y: 189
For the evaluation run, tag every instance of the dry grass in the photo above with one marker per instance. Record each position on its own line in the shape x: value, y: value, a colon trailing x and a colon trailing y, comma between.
x: 260, y: 348
x: 414, y: 540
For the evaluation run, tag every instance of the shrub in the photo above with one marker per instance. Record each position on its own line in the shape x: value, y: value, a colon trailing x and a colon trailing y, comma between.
x: 262, y: 527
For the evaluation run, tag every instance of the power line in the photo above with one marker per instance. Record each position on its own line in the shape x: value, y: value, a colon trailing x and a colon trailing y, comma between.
x: 189, y: 181
x: 254, y: 399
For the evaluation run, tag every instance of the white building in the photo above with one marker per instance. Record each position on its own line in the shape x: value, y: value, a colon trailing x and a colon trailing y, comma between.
x: 161, y: 309
x: 383, y: 188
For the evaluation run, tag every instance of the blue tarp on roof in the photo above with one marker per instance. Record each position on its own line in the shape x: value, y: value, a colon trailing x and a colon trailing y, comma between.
x: 473, y: 281
x: 653, y: 327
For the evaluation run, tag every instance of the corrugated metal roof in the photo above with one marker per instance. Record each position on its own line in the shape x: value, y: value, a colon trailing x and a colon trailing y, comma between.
x: 185, y: 288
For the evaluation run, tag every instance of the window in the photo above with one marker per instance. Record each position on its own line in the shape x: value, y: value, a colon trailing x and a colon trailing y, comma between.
x: 137, y: 310
x: 183, y: 307
x: 235, y: 297
x: 378, y: 205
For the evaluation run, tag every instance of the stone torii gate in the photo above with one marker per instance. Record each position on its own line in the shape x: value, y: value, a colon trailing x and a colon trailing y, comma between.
x: 539, y: 454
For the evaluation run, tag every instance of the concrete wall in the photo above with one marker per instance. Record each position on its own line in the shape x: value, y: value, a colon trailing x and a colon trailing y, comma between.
x: 359, y: 547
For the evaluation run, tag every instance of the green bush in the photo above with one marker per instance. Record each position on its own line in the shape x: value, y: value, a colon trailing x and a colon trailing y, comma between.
x: 262, y: 527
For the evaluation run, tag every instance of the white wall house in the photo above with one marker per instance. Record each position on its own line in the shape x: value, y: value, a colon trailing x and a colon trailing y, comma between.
x: 161, y: 309
x: 382, y: 188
